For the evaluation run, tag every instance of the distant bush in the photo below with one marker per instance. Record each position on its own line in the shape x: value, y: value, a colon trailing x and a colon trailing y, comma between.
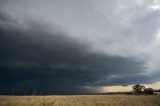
x: 148, y: 91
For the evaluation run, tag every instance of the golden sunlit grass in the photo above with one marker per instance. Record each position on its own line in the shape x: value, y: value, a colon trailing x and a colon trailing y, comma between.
x: 80, y: 100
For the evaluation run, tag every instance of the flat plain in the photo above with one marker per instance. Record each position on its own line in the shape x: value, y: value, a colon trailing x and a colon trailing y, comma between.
x: 81, y: 100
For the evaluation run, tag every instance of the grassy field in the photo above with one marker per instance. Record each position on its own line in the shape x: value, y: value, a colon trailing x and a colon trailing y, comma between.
x: 80, y: 100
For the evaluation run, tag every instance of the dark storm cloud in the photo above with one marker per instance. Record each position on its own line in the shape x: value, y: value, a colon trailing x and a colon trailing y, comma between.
x: 55, y: 62
x: 71, y: 46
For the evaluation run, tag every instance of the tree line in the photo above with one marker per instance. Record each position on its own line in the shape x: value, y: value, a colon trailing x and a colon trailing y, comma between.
x: 140, y: 89
x: 26, y: 92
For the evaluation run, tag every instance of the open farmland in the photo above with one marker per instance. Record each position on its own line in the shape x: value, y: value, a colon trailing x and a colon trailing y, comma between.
x: 80, y: 100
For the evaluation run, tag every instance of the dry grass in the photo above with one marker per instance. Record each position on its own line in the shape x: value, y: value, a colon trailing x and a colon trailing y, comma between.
x: 80, y: 100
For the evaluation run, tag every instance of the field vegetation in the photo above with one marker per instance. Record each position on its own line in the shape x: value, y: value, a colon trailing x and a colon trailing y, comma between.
x: 81, y: 100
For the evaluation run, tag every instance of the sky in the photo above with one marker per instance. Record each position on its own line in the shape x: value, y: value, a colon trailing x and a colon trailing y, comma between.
x: 78, y: 46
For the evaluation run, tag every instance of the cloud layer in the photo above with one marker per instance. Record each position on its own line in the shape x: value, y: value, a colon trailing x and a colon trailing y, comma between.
x: 70, y: 46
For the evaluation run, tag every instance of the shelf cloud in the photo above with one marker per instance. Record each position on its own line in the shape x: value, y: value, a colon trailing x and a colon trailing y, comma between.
x: 70, y: 46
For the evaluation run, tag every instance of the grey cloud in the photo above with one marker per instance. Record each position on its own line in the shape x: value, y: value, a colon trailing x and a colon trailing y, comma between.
x: 73, y: 47
x: 60, y: 61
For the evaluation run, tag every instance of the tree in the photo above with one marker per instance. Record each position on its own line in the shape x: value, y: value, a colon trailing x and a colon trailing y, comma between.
x: 30, y: 92
x: 148, y: 91
x: 138, y: 88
